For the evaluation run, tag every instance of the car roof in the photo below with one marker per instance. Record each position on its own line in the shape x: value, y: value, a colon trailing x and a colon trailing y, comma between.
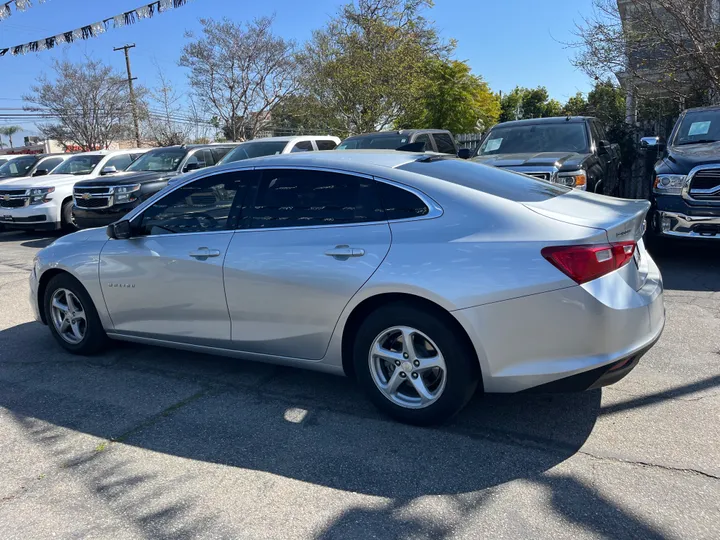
x: 195, y: 146
x: 701, y: 109
x: 549, y: 120
x: 396, y: 133
x: 290, y: 138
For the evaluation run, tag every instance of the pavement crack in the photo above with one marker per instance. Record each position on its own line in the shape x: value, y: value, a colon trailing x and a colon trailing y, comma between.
x: 649, y: 465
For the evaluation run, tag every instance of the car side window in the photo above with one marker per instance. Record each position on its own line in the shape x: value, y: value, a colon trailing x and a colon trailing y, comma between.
x: 302, y: 146
x: 206, y: 205
x: 326, y: 145
x: 595, y: 133
x: 305, y: 198
x: 50, y: 163
x: 120, y: 162
x: 444, y: 142
x: 219, y: 153
x: 400, y: 203
x: 425, y: 138
x: 197, y: 158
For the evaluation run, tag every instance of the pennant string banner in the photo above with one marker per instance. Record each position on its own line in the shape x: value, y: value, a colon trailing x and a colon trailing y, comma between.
x: 91, y: 30
x: 20, y: 5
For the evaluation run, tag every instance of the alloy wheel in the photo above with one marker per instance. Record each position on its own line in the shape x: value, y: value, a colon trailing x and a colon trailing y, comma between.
x: 68, y: 316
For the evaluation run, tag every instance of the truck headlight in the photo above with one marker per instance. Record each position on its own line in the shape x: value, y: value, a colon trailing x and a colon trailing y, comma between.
x: 575, y: 179
x: 669, y: 184
x: 124, y: 194
x: 41, y: 195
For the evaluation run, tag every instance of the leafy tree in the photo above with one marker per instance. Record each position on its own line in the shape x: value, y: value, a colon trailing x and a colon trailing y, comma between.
x: 9, y: 131
x: 576, y: 106
x: 89, y: 100
x: 367, y: 64
x: 241, y: 72
x: 453, y: 99
x: 303, y: 114
x: 528, y: 103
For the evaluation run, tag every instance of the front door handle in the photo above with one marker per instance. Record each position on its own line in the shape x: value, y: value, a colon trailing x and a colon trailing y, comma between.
x: 203, y: 253
x: 343, y: 253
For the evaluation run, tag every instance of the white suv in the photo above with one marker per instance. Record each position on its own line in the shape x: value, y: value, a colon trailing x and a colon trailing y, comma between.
x: 270, y: 146
x: 45, y: 202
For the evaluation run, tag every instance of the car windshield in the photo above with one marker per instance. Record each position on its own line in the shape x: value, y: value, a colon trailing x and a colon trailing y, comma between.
x: 254, y: 149
x: 79, y: 165
x: 564, y: 137
x: 377, y: 142
x: 698, y: 127
x: 17, y: 167
x: 162, y: 160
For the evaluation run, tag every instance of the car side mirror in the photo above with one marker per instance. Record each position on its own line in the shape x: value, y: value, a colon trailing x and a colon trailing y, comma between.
x: 192, y: 167
x: 41, y: 172
x: 603, y: 147
x: 110, y: 169
x: 464, y: 153
x: 120, y: 230
x: 654, y: 143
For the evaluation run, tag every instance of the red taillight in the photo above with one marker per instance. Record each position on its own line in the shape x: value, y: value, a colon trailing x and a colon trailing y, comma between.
x: 585, y: 263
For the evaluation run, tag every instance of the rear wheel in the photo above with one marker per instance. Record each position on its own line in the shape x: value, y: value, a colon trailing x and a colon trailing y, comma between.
x: 413, y: 365
x: 67, y: 220
x: 72, y: 317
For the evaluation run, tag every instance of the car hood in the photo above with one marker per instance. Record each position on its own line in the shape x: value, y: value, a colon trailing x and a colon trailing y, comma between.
x: 561, y: 160
x: 128, y: 178
x: 50, y: 180
x: 682, y: 159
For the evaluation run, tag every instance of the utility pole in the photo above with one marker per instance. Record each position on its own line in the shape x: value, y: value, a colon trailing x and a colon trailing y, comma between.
x: 133, y: 102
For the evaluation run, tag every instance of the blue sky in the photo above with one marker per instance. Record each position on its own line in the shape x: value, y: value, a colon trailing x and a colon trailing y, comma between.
x: 508, y: 42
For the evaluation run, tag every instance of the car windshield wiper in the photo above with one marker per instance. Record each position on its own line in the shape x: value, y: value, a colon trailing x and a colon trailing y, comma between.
x: 700, y: 141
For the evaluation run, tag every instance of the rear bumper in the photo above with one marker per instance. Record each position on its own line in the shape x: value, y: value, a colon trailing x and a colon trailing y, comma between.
x: 87, y: 218
x: 570, y: 339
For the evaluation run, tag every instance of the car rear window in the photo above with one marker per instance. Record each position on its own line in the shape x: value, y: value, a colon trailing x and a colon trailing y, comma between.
x: 506, y: 184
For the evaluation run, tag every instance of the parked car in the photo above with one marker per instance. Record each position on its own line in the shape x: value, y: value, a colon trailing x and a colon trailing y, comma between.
x: 686, y: 188
x: 100, y: 201
x: 434, y: 140
x: 573, y: 151
x: 45, y: 202
x: 30, y: 165
x: 270, y: 146
x: 422, y: 276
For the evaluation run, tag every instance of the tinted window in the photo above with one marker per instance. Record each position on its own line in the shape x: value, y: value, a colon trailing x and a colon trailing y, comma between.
x: 17, y: 167
x: 198, y: 158
x: 376, y: 141
x: 294, y: 198
x: 445, y: 144
x: 303, y: 146
x: 219, y: 153
x: 254, y: 149
x: 497, y: 182
x: 400, y: 203
x: 160, y: 160
x: 555, y: 137
x: 205, y: 205
x: 80, y: 164
x: 326, y: 145
x: 50, y: 163
x: 119, y: 162
x: 424, y: 138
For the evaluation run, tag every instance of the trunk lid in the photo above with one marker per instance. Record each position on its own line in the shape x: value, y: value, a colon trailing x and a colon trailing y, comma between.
x: 622, y: 220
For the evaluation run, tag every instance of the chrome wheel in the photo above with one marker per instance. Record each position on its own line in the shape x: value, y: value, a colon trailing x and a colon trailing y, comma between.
x: 68, y: 316
x: 407, y: 367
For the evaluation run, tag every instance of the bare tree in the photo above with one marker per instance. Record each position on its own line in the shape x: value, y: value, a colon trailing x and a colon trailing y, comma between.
x: 241, y: 72
x: 166, y: 123
x: 89, y: 101
x: 655, y: 46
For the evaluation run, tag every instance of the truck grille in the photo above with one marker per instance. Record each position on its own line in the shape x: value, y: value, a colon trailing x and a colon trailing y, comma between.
x: 93, y: 197
x: 13, y: 198
x: 92, y: 203
x: 705, y: 185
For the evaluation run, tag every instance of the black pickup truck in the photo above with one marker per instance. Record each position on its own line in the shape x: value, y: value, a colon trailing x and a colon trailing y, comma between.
x: 103, y: 200
x: 573, y: 151
x: 686, y: 185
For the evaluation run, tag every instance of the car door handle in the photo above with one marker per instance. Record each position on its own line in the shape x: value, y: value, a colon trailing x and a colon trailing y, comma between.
x: 203, y: 253
x: 343, y: 253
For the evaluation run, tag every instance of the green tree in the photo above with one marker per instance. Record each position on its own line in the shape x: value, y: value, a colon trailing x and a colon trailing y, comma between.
x: 302, y: 114
x: 576, y: 106
x: 9, y: 131
x: 453, y: 99
x: 368, y: 63
x: 528, y: 103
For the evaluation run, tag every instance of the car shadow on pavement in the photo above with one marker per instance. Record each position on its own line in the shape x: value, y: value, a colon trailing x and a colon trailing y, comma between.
x: 30, y: 239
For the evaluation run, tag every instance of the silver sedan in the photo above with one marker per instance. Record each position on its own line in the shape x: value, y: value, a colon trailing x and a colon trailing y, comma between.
x: 423, y: 277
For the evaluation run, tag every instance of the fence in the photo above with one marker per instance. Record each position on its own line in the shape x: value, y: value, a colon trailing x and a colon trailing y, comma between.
x: 468, y: 140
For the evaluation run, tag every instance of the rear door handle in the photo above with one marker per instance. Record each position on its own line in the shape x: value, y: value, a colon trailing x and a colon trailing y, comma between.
x: 203, y: 253
x: 343, y: 253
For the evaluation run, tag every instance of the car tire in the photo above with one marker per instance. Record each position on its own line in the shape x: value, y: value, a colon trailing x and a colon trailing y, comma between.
x: 67, y: 221
x: 450, y: 386
x: 83, y: 334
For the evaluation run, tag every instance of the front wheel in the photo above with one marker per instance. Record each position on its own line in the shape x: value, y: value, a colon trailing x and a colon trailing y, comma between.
x: 72, y: 317
x: 414, y: 365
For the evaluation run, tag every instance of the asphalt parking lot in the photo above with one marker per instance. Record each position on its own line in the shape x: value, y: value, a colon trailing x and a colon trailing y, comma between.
x: 151, y: 443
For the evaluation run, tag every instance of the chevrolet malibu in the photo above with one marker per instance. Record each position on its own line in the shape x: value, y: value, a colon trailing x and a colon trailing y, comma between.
x: 423, y: 277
